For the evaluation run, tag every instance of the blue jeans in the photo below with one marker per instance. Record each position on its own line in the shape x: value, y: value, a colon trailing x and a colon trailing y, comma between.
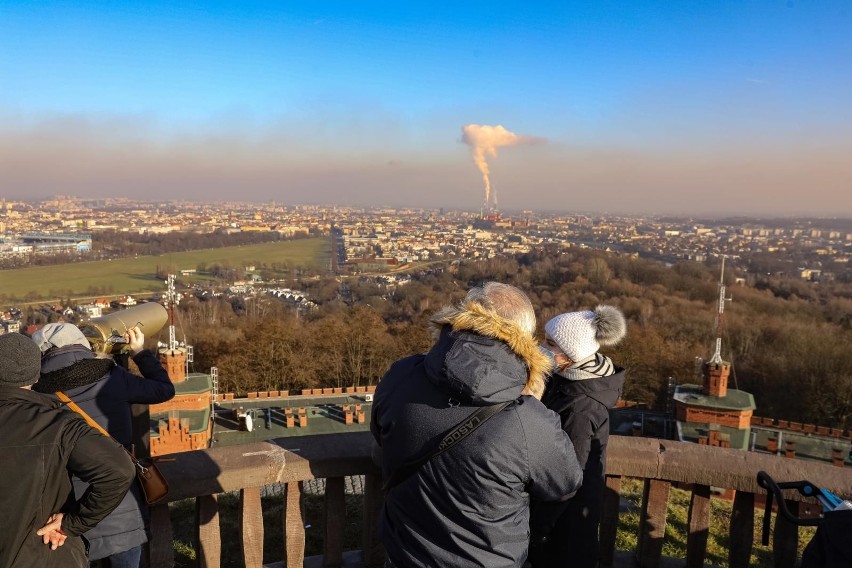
x: 127, y: 559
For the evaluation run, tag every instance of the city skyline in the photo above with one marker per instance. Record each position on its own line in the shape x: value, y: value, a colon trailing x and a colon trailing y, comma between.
x: 687, y: 109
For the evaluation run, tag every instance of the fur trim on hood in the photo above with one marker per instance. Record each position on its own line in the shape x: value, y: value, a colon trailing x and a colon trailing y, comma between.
x: 473, y: 317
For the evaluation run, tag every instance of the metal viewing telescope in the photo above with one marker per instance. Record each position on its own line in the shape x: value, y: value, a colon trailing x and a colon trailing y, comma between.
x: 106, y: 333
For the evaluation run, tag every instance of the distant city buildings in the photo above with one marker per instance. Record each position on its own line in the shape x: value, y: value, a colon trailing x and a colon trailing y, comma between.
x: 383, y: 239
x: 44, y: 243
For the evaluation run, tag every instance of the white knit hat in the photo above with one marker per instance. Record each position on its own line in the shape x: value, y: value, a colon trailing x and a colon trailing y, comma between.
x: 581, y: 334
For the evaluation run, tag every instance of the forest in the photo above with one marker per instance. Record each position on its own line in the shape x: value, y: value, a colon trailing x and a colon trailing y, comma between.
x: 788, y: 340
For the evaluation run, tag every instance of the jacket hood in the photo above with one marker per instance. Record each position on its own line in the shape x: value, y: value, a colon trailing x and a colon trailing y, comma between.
x: 61, y: 357
x: 484, y: 358
x: 67, y: 368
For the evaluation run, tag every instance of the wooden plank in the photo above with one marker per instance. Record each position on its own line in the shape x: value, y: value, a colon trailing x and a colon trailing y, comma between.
x: 374, y: 552
x: 208, y: 541
x: 652, y: 523
x: 785, y: 539
x: 230, y: 468
x: 609, y: 520
x: 699, y: 526
x: 294, y: 525
x: 161, y: 552
x: 742, y: 530
x: 335, y: 521
x: 251, y: 527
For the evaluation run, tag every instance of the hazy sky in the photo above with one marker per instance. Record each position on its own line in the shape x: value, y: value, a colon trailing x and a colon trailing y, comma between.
x: 694, y: 106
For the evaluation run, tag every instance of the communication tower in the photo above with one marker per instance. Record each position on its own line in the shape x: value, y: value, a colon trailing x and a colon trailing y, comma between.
x: 175, y: 357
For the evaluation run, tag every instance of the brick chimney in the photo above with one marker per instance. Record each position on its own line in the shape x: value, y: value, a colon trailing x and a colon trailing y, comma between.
x: 174, y: 362
x: 716, y: 378
x: 790, y: 451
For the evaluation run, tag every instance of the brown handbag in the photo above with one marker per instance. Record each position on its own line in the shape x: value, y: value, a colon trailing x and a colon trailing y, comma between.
x: 154, y: 485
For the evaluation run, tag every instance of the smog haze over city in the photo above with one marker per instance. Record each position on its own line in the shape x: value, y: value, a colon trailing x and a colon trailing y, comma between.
x: 710, y: 108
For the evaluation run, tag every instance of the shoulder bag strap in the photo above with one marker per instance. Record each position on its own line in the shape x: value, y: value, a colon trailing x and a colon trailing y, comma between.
x: 73, y: 406
x: 91, y: 422
x: 458, y: 433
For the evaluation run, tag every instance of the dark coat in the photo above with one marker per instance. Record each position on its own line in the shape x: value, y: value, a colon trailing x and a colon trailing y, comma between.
x: 469, y: 506
x: 39, y: 445
x: 571, y: 528
x: 107, y: 400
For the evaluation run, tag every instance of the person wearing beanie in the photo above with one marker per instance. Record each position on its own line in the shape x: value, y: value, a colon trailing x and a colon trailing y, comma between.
x: 468, y: 506
x: 585, y: 385
x: 41, y: 445
x: 105, y: 392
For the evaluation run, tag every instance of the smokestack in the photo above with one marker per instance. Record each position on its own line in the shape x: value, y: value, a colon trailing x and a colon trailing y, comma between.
x: 484, y: 141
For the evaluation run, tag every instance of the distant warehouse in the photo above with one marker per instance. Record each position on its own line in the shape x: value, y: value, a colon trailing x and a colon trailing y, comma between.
x: 48, y: 243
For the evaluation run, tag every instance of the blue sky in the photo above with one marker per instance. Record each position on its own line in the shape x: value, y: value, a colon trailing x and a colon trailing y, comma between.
x: 670, y: 107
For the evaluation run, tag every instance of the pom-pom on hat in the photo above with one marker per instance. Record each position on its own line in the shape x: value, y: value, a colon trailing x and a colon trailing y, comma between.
x: 581, y: 334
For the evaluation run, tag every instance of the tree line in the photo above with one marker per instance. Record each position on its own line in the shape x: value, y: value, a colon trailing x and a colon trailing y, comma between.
x: 788, y: 341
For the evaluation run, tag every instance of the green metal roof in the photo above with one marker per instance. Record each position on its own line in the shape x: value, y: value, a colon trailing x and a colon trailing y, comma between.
x: 195, y: 383
x: 734, y: 400
x: 198, y: 420
x: 690, y: 432
x: 324, y: 413
x: 809, y: 446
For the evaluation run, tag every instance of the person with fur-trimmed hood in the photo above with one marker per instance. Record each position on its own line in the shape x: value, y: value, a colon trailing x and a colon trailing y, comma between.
x: 469, y: 506
x: 584, y: 387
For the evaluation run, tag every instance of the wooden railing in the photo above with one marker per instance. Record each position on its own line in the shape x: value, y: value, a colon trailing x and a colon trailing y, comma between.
x: 204, y: 474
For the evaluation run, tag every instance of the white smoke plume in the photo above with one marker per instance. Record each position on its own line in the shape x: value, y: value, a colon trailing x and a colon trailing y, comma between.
x: 484, y: 141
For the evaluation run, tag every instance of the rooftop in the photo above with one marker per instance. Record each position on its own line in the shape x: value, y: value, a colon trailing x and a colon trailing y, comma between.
x: 693, y: 395
x: 325, y: 416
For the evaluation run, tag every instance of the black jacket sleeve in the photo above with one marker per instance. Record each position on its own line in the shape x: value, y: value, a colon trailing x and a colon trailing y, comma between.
x: 156, y: 387
x: 105, y: 466
x: 554, y: 472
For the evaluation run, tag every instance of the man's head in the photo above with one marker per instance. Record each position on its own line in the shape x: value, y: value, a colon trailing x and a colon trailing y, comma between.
x: 507, y: 302
x: 56, y: 335
x: 20, y: 361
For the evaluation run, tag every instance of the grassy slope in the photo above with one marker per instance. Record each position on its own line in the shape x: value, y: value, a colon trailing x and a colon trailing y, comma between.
x: 135, y: 275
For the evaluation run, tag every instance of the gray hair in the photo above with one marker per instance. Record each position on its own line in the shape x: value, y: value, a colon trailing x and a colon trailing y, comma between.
x: 507, y: 301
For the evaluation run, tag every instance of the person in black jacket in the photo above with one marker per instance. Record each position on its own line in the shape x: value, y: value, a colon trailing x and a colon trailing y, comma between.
x: 105, y: 392
x: 583, y: 389
x: 40, y: 445
x: 469, y: 506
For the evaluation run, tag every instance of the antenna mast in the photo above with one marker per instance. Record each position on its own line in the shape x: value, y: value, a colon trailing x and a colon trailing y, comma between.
x: 720, y: 316
x: 171, y: 298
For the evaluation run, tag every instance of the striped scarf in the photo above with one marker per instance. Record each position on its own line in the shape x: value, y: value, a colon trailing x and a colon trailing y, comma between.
x: 595, y: 366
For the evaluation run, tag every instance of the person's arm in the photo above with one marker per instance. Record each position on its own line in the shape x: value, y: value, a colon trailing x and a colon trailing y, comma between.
x: 105, y: 466
x: 157, y: 387
x: 555, y: 473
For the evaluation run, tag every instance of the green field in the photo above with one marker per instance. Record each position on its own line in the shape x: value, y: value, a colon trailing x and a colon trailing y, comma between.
x: 137, y: 275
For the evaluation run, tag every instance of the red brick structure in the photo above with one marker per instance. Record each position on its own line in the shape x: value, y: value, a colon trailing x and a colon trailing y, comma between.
x: 174, y: 362
x: 716, y: 378
x: 188, y: 401
x: 174, y: 436
x: 712, y: 407
x: 723, y: 417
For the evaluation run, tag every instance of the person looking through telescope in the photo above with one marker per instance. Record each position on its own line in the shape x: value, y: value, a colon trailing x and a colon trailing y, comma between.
x: 105, y: 392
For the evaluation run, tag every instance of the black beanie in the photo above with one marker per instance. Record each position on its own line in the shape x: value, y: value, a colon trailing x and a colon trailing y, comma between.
x: 20, y: 360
